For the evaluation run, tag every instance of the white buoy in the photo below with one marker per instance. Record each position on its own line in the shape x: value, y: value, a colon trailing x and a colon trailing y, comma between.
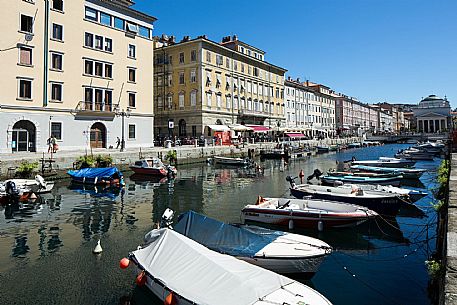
x: 98, y: 248
x: 291, y: 224
x: 320, y: 226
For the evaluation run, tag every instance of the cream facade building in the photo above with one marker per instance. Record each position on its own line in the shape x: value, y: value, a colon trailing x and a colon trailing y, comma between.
x: 202, y: 86
x: 76, y: 69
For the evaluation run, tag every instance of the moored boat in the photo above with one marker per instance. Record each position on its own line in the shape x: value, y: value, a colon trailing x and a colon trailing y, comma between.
x: 331, y: 180
x: 37, y: 185
x: 381, y: 202
x: 181, y: 271
x: 230, y: 161
x: 408, y: 173
x: 414, y: 154
x: 98, y: 176
x: 278, y: 251
x: 363, y: 174
x: 322, y: 149
x: 306, y: 213
x: 153, y: 166
x: 386, y: 162
x: 409, y: 195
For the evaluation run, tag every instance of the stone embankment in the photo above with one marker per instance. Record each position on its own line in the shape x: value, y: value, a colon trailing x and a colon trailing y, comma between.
x: 186, y: 154
x: 450, y: 242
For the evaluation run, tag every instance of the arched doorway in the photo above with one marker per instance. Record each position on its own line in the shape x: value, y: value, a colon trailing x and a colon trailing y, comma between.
x: 98, y: 136
x: 24, y: 136
x: 182, y: 128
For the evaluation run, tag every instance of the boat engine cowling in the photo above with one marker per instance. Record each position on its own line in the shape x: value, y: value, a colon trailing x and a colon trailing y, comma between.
x: 291, y: 181
x: 167, y: 218
x: 11, y: 189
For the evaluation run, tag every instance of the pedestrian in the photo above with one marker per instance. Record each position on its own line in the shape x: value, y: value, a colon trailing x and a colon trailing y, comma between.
x: 118, y: 142
x: 301, y: 175
x: 49, y: 143
x: 55, y: 147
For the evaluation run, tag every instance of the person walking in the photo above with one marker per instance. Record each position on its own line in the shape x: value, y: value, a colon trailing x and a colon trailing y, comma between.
x: 48, y: 141
x: 118, y: 142
x: 54, y: 144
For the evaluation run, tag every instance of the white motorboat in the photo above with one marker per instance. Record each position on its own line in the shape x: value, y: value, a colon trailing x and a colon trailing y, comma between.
x: 306, y: 213
x: 181, y: 271
x: 414, y: 154
x: 230, y: 161
x: 408, y: 194
x: 278, y: 251
x: 37, y: 185
x: 386, y: 162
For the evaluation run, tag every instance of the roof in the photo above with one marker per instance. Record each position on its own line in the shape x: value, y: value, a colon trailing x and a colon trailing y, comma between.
x: 430, y: 114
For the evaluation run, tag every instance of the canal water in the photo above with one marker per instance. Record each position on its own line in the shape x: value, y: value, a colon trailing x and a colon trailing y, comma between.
x: 46, y: 249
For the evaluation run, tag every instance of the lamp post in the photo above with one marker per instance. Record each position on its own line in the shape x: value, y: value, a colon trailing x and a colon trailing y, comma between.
x: 123, y: 114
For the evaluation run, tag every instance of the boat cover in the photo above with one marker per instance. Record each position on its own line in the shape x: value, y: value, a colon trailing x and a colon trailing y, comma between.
x: 204, y: 276
x: 99, y: 173
x: 222, y: 237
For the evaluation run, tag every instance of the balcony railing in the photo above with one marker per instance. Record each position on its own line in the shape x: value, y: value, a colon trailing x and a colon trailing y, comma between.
x: 97, y: 109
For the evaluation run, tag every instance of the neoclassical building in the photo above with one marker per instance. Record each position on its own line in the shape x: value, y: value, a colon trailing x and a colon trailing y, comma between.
x: 70, y: 68
x: 433, y: 114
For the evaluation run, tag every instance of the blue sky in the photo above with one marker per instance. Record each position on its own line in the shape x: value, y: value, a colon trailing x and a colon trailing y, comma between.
x: 375, y: 50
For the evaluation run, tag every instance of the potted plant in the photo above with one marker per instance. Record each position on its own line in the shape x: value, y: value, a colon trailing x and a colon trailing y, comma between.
x: 85, y: 161
x: 26, y: 169
x: 172, y: 156
x: 104, y: 160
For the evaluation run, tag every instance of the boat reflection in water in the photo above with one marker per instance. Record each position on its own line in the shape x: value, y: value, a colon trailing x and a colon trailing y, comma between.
x: 97, y: 191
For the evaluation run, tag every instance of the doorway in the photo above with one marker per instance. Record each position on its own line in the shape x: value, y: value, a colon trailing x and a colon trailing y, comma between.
x: 98, y: 136
x: 23, y: 136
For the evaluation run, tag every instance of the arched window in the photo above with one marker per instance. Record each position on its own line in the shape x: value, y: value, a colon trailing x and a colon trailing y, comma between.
x: 182, y: 128
x: 181, y: 99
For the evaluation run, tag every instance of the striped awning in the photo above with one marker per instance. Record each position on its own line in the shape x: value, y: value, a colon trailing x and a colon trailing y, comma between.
x: 259, y: 128
x: 295, y: 135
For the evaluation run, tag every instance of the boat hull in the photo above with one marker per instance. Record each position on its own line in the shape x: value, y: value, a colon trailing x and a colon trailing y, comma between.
x: 353, y: 180
x: 229, y: 161
x: 148, y: 171
x: 389, y: 206
x: 301, y: 219
x: 386, y: 164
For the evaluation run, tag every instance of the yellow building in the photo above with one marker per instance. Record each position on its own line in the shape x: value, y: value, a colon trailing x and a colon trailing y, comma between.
x: 202, y: 86
x: 71, y: 68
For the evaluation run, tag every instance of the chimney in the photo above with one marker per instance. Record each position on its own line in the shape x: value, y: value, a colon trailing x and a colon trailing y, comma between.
x: 235, y: 37
x: 172, y: 39
x: 289, y: 78
x: 298, y: 79
x: 164, y: 38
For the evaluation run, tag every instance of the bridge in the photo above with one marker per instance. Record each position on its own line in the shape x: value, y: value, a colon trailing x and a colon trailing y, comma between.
x: 408, y: 137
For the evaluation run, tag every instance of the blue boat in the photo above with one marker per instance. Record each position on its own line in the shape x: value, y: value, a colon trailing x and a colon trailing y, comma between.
x: 278, y: 251
x: 330, y: 180
x: 410, y: 173
x: 98, y: 176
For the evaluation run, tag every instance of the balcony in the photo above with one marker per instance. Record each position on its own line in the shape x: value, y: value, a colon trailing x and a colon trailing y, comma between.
x: 247, y: 112
x: 92, y: 109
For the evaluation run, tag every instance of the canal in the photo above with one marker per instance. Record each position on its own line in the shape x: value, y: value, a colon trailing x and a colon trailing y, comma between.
x: 46, y: 249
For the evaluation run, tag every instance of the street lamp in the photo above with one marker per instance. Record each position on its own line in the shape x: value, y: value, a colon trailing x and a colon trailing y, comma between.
x: 123, y: 114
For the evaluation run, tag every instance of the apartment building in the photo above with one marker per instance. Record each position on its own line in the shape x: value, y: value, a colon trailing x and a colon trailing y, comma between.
x: 79, y: 70
x: 297, y: 98
x: 202, y: 86
x: 322, y: 111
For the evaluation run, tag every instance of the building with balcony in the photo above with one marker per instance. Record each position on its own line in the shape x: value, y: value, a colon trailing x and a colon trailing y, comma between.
x: 77, y: 70
x: 202, y: 86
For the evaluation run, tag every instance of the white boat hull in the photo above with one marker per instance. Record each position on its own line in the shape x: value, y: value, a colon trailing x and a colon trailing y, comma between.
x: 305, y: 267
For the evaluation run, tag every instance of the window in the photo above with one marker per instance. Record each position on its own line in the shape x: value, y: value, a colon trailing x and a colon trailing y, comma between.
x: 181, y: 99
x: 208, y: 78
x: 218, y: 81
x: 56, y: 92
x: 193, y: 55
x: 89, y: 40
x: 56, y: 61
x: 181, y: 78
x: 208, y: 56
x: 218, y: 101
x: 170, y: 101
x: 194, y: 131
x: 108, y: 44
x: 132, y: 75
x: 144, y: 32
x: 108, y: 71
x: 105, y: 19
x: 91, y: 14
x: 119, y: 23
x: 227, y: 62
x: 242, y: 68
x: 181, y: 58
x: 235, y: 103
x: 170, y: 79
x: 57, y: 5
x: 98, y: 69
x: 57, y: 31
x: 256, y: 71
x: 132, y: 131
x: 25, y: 89
x: 193, y: 76
x: 219, y: 60
x: 26, y: 24
x: 98, y: 42
x: 89, y: 67
x: 25, y: 56
x: 132, y: 53
x: 208, y: 99
x: 227, y: 102
x: 56, y: 130
x: 193, y: 98
x: 159, y: 102
x: 235, y: 65
x: 132, y: 99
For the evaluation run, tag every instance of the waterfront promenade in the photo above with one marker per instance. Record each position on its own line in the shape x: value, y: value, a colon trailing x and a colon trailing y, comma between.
x: 450, y: 285
x: 186, y: 154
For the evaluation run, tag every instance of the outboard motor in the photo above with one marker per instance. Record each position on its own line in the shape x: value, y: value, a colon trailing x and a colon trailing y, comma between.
x: 167, y: 218
x: 12, y: 193
x: 170, y: 172
x: 316, y: 174
x: 291, y: 181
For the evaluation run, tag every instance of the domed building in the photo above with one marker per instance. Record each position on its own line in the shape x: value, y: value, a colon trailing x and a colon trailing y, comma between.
x: 433, y: 114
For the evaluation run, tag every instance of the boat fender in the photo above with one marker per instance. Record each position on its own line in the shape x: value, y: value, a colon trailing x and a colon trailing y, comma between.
x: 320, y: 226
x: 141, y: 279
x: 291, y: 224
x: 95, y: 180
x: 170, y: 299
x: 124, y: 263
x: 98, y: 248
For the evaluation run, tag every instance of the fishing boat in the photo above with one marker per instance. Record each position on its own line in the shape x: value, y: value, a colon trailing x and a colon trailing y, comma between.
x: 407, y: 173
x: 322, y: 149
x: 181, y: 271
x: 154, y: 167
x: 380, y: 202
x: 306, y: 213
x: 386, y: 162
x: 98, y: 176
x: 331, y: 180
x: 230, y: 161
x: 278, y: 251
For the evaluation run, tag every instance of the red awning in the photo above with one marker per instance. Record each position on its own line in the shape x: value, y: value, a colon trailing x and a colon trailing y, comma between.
x: 259, y: 128
x: 295, y: 135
